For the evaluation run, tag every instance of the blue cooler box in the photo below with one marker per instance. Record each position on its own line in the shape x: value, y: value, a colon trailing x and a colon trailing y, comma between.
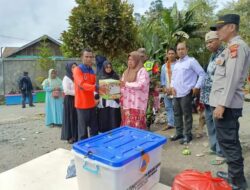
x: 122, y: 159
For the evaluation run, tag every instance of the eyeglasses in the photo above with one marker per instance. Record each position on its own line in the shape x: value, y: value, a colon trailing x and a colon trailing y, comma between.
x: 108, y: 67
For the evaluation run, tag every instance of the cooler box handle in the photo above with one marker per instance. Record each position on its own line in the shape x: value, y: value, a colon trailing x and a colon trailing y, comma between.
x: 93, y: 171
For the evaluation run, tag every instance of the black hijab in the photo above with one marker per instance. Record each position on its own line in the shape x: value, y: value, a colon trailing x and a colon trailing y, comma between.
x: 69, y: 69
x: 111, y: 75
x: 99, y: 63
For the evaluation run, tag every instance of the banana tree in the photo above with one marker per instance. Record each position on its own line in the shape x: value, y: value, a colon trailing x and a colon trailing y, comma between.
x: 166, y: 28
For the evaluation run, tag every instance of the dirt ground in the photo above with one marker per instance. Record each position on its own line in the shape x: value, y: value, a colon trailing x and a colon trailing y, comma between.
x: 24, y: 137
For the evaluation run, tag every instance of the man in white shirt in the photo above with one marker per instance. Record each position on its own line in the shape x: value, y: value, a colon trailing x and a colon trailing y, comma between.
x: 187, y: 79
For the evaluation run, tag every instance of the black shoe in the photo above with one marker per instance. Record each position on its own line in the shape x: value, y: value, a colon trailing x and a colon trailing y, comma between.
x: 234, y: 187
x: 223, y: 175
x: 23, y: 106
x: 176, y: 137
x: 186, y: 140
x: 32, y: 105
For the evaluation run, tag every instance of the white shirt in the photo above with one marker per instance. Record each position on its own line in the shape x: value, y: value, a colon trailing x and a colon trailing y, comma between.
x: 187, y: 74
x: 109, y: 103
x: 68, y: 86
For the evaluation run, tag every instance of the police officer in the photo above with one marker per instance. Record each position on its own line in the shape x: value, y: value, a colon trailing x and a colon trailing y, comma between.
x: 226, y: 96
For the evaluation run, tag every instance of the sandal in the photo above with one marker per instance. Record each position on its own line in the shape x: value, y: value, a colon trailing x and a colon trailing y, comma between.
x: 209, y: 152
x: 198, y: 136
x: 217, y: 162
x: 167, y: 128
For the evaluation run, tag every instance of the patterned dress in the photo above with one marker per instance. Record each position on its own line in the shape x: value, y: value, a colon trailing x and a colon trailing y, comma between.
x: 134, y: 99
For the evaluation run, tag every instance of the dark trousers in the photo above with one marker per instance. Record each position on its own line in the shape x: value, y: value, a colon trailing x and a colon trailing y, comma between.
x: 108, y: 118
x: 227, y: 131
x: 87, y: 118
x: 183, y: 108
x: 27, y: 94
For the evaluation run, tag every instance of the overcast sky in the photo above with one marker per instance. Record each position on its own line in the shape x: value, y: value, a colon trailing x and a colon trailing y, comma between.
x: 22, y: 21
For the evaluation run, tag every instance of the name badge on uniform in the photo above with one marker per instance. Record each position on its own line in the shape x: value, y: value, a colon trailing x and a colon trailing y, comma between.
x: 233, y: 50
x: 220, y: 60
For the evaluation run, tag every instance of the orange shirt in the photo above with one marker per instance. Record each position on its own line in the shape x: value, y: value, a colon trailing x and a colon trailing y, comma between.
x: 85, y: 81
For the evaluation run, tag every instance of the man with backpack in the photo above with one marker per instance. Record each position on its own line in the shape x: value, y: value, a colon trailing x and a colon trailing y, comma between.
x: 26, y: 88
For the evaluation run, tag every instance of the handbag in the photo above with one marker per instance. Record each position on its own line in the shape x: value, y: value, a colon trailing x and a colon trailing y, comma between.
x: 56, y: 93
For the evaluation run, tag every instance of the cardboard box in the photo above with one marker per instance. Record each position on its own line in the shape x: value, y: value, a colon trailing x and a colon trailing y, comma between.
x: 109, y: 89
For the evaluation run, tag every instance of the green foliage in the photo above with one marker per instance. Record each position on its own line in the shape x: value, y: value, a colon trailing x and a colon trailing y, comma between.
x: 39, y: 81
x: 203, y: 13
x: 107, y: 26
x: 156, y: 6
x: 45, y: 54
x: 120, y: 64
x: 162, y: 29
x: 197, y: 49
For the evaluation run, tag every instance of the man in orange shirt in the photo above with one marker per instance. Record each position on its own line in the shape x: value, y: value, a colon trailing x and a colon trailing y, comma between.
x: 85, y: 99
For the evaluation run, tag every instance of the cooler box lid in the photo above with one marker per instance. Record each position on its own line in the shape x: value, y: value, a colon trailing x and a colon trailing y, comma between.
x: 119, y: 146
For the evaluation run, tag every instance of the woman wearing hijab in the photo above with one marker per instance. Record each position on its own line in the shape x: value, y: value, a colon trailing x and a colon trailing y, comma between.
x: 53, y: 101
x: 109, y: 113
x: 134, y: 92
x: 99, y: 60
x: 69, y: 128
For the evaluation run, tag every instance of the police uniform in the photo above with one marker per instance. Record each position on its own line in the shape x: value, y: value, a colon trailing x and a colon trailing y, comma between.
x: 231, y: 71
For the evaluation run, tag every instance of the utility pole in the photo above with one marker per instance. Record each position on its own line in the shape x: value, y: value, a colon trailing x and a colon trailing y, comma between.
x: 1, y: 52
x: 2, y: 63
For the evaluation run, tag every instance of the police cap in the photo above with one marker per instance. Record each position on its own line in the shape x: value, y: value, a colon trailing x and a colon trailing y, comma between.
x: 226, y: 19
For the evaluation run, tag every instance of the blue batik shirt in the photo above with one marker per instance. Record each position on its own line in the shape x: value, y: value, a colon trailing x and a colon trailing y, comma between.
x: 207, y: 85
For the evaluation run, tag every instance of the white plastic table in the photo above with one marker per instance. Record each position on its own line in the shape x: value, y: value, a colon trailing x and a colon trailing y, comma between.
x: 46, y: 172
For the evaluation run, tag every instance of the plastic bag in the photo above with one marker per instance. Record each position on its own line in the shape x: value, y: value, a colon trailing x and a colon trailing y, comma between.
x: 195, y: 180
x: 71, y: 171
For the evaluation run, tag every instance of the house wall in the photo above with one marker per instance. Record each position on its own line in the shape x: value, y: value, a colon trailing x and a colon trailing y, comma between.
x: 11, y: 69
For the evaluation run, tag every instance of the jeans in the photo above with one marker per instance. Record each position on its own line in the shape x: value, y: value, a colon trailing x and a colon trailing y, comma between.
x: 214, y: 145
x: 27, y: 94
x: 170, y: 110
